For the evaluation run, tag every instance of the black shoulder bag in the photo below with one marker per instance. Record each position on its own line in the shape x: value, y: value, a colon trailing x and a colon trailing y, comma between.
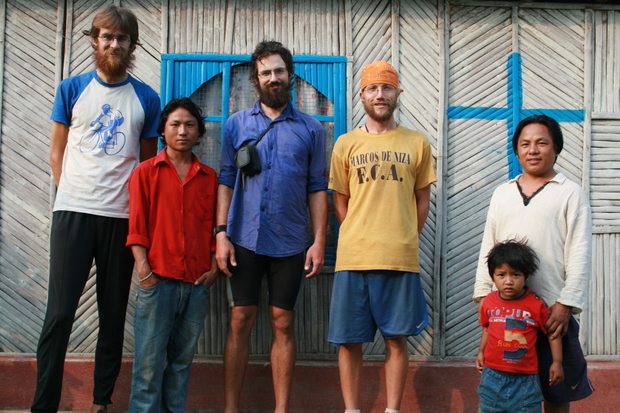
x: 247, y: 158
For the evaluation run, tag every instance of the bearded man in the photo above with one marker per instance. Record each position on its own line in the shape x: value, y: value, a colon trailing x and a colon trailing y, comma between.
x: 103, y: 123
x: 381, y: 175
x: 262, y: 218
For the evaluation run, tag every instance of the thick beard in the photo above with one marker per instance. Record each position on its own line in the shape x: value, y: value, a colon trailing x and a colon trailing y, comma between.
x: 383, y: 117
x: 275, y: 99
x: 111, y: 67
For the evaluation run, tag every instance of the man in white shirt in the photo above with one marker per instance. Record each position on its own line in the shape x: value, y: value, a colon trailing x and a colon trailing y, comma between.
x: 552, y: 213
x: 104, y: 123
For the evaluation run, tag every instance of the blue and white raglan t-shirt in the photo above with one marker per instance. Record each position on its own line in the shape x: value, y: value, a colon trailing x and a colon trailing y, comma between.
x: 106, y: 122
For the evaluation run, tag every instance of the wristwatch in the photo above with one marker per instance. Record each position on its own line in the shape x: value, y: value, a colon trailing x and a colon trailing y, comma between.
x: 219, y: 229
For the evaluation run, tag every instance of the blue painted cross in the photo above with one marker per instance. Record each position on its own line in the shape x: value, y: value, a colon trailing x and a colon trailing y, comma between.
x: 514, y: 112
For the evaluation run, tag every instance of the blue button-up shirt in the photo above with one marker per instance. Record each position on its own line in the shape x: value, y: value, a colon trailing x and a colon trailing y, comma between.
x: 268, y: 212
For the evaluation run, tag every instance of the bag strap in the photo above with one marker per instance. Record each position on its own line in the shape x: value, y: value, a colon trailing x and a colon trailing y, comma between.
x: 264, y: 132
x: 258, y: 140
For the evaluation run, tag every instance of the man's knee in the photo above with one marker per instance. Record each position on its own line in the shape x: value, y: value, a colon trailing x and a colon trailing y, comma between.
x: 282, y: 321
x: 396, y: 342
x: 354, y: 349
x: 60, y: 320
x: 396, y: 345
x: 242, y: 318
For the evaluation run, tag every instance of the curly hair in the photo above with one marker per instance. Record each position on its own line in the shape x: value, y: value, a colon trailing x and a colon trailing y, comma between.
x: 265, y: 49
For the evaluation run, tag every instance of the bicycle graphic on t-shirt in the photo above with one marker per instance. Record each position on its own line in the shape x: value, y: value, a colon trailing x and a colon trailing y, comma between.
x: 104, y: 134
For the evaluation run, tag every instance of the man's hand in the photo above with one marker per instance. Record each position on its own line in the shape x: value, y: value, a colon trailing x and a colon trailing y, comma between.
x: 58, y: 143
x: 315, y: 258
x: 557, y: 325
x: 150, y: 282
x: 143, y: 267
x: 209, y: 277
x: 224, y: 253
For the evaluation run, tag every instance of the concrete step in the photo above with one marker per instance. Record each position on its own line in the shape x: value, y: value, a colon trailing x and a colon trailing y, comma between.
x: 432, y: 386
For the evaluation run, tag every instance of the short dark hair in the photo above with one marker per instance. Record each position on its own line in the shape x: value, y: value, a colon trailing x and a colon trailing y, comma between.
x: 115, y: 18
x: 187, y: 104
x: 552, y: 126
x: 265, y: 49
x: 515, y: 253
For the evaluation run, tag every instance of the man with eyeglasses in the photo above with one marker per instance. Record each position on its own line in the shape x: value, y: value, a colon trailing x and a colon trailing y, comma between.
x: 103, y: 123
x: 381, y: 176
x: 262, y: 218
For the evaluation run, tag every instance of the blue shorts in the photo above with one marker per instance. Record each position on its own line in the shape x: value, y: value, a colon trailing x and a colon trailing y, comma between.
x: 576, y: 385
x: 363, y: 301
x: 505, y: 392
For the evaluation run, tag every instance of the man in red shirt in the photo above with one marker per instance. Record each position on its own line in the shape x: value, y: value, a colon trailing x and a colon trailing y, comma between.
x: 171, y: 216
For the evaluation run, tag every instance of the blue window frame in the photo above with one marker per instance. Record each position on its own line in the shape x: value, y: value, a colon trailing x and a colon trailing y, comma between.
x: 220, y: 85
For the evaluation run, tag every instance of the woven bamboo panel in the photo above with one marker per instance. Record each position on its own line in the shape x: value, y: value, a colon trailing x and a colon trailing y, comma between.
x: 236, y: 27
x: 606, y: 62
x: 480, y: 41
x: 28, y: 83
x: 419, y: 69
x: 570, y: 60
x: 602, y: 319
x: 605, y: 176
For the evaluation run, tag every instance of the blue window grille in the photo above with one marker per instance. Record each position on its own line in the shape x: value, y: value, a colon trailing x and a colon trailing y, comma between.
x: 220, y: 85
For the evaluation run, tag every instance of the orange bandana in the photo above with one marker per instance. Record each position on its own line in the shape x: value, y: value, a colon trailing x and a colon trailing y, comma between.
x: 379, y: 72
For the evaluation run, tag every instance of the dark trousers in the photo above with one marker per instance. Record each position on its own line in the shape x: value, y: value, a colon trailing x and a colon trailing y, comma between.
x: 75, y: 240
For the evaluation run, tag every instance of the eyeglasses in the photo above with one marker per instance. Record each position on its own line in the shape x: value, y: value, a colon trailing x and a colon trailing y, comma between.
x: 374, y: 89
x: 121, y: 39
x: 265, y: 74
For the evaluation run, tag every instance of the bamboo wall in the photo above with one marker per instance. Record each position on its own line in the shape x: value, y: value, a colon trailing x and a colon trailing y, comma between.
x: 449, y: 54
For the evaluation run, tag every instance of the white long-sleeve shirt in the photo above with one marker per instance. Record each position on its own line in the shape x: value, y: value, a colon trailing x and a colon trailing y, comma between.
x: 557, y: 225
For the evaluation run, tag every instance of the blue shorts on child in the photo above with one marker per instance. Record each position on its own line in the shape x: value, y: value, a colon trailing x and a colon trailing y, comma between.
x: 501, y: 391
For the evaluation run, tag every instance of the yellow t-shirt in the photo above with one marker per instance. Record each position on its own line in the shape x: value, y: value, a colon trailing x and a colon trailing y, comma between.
x: 380, y: 172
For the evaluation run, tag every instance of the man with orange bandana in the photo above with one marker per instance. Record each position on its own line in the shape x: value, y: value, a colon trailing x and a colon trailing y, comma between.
x: 381, y: 176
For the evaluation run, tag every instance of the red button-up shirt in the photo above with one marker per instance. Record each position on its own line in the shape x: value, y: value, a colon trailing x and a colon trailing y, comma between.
x: 173, y: 220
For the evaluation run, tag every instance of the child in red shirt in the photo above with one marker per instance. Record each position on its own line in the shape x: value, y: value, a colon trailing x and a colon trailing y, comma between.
x: 510, y: 318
